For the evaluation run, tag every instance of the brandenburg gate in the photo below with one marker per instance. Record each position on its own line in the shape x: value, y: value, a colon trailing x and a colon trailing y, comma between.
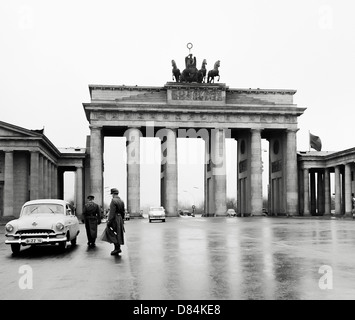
x: 212, y: 112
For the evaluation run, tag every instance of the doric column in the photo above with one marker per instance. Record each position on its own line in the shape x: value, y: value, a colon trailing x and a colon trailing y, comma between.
x: 306, y: 211
x: 96, y: 164
x: 133, y: 171
x: 45, y: 178
x: 34, y: 176
x: 327, y: 192
x: 9, y: 184
x: 337, y: 189
x: 55, y: 181
x: 206, y: 171
x: 313, y: 193
x: 291, y: 174
x: 40, y: 183
x: 256, y: 174
x: 79, y: 195
x: 49, y: 179
x: 348, y: 197
x: 169, y: 152
x: 320, y: 193
x: 218, y: 158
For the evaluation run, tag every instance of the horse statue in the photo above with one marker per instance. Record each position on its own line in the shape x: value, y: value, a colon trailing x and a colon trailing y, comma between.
x: 201, y: 74
x: 176, y: 71
x: 213, y: 73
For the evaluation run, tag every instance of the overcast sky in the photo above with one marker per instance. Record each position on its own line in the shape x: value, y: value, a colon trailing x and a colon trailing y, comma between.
x: 52, y: 50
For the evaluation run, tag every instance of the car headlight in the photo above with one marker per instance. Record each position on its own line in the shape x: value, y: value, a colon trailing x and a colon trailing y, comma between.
x: 60, y: 226
x: 9, y: 227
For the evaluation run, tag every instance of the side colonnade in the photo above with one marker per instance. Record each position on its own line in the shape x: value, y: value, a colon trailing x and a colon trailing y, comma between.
x: 327, y: 182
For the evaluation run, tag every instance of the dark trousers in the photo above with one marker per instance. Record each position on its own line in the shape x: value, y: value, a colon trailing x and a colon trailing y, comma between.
x: 91, y: 228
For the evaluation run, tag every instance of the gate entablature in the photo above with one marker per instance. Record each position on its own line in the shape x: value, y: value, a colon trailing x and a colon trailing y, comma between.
x: 192, y: 105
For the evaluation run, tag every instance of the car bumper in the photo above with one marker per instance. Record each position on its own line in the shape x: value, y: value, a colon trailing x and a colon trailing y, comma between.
x: 157, y: 217
x: 32, y: 241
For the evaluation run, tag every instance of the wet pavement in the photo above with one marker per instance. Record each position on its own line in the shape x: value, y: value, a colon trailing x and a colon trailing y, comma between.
x: 193, y: 258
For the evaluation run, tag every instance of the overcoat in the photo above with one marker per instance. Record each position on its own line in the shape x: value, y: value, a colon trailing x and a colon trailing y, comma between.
x: 114, y: 230
x: 92, y: 217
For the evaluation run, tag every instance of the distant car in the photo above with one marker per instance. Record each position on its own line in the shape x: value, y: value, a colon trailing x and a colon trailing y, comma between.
x: 186, y: 213
x: 156, y: 213
x: 43, y: 221
x: 127, y: 216
x: 231, y: 213
x: 264, y: 212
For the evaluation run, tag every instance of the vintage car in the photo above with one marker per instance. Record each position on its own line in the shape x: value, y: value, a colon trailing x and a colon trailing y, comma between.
x: 156, y: 213
x: 231, y: 213
x: 43, y: 221
x: 186, y: 213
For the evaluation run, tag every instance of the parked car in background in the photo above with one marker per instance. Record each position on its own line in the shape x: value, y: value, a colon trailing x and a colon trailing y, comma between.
x: 231, y: 213
x: 156, y: 213
x: 43, y: 221
x: 127, y: 215
x: 186, y: 213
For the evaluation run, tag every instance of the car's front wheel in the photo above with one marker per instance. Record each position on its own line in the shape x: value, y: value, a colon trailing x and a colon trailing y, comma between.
x: 15, y: 248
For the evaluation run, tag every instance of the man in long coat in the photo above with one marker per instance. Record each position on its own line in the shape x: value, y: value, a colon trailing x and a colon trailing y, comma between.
x: 114, y: 229
x: 92, y: 218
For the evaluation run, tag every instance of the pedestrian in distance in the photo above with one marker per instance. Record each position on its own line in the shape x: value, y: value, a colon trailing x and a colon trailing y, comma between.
x: 92, y: 218
x: 114, y: 231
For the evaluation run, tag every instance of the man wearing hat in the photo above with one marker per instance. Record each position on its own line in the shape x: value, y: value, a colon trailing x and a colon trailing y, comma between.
x: 114, y: 229
x: 92, y: 217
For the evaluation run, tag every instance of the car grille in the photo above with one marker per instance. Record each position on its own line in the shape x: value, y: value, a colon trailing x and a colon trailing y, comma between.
x: 42, y: 233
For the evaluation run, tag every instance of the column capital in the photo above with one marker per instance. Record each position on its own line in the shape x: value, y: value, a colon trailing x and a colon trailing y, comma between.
x: 95, y: 127
x: 289, y: 130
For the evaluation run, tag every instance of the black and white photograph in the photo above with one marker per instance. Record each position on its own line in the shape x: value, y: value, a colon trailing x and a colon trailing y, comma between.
x: 177, y: 155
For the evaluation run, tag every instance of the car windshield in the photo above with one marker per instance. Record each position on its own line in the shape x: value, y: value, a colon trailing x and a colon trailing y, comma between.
x: 40, y: 208
x: 157, y: 209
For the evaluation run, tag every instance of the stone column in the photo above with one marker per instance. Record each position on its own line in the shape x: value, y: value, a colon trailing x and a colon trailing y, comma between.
x: 55, y: 182
x: 34, y: 177
x: 45, y: 178
x: 320, y: 193
x: 49, y: 179
x: 313, y: 193
x: 327, y: 192
x: 218, y: 157
x: 291, y: 174
x: 9, y: 184
x: 96, y: 164
x: 171, y: 174
x: 133, y: 171
x: 348, y: 197
x: 306, y: 211
x: 256, y: 174
x: 337, y: 189
x: 79, y: 196
x: 40, y: 182
x: 206, y: 172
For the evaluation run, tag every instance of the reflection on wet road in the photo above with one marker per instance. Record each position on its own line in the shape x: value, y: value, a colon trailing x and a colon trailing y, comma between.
x: 195, y: 258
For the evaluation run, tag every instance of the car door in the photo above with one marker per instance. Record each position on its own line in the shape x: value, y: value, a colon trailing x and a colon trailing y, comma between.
x: 70, y: 221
